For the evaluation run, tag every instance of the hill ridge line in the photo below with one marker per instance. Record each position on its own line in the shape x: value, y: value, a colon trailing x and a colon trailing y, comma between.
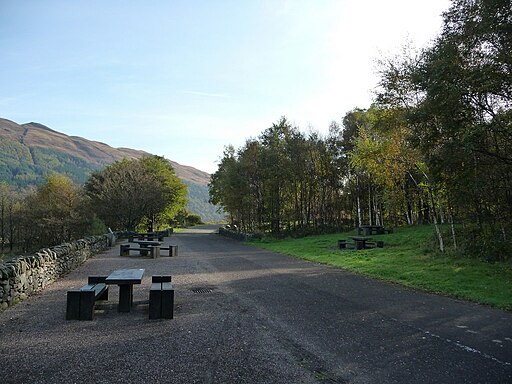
x: 30, y: 151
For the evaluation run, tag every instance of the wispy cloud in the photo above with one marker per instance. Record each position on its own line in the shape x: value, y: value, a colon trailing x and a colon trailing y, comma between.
x: 206, y: 94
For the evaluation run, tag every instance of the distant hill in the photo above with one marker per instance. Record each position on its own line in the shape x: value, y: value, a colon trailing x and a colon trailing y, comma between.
x: 29, y: 152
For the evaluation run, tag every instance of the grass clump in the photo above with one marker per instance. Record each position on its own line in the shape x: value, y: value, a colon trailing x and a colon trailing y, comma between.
x: 408, y: 258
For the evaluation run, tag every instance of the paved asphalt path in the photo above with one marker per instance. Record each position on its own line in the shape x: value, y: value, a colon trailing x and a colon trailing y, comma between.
x: 245, y: 315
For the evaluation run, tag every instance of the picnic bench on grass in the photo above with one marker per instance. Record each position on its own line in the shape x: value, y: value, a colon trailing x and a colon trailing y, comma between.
x: 360, y: 243
x: 342, y: 244
x: 161, y: 298
x: 368, y: 230
x: 374, y: 244
x: 80, y: 302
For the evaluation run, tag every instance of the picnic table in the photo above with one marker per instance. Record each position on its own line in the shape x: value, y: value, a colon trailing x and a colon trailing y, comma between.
x: 147, y: 243
x: 125, y: 279
x: 360, y: 242
x: 146, y: 236
x: 368, y: 230
x: 153, y: 250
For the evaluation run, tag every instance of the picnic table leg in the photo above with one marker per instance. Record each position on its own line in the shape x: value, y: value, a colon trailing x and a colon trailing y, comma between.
x: 155, y: 251
x: 73, y: 305
x: 125, y: 298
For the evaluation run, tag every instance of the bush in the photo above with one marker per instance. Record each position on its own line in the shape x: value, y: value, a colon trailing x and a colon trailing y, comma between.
x: 193, y: 219
x: 484, y: 242
x: 97, y: 227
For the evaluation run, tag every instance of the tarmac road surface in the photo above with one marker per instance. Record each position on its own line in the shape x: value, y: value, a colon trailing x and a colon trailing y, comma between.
x: 245, y: 315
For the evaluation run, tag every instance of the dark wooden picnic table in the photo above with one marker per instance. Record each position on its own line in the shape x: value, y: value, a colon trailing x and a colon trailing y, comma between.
x: 360, y: 241
x: 148, y: 236
x: 368, y: 230
x: 147, y: 243
x: 125, y: 279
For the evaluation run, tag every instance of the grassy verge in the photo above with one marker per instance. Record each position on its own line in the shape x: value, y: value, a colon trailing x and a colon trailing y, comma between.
x: 408, y: 259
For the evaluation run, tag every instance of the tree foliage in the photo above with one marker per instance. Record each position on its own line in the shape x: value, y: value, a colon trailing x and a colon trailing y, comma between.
x: 127, y: 194
x: 55, y: 212
x: 434, y: 147
x: 457, y: 95
x: 130, y: 193
x: 282, y: 181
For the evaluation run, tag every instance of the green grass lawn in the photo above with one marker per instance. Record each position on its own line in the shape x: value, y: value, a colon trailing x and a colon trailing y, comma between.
x: 408, y: 258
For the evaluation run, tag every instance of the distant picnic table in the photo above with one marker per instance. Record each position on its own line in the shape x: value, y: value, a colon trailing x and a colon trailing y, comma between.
x: 368, y: 230
x: 360, y: 242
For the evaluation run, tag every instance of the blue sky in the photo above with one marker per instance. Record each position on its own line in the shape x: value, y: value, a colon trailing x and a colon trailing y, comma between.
x: 182, y: 79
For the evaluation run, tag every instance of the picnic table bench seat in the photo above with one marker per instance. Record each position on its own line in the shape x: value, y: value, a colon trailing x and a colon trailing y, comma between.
x: 153, y: 250
x: 342, y: 244
x: 374, y: 244
x: 161, y: 298
x: 360, y: 243
x: 80, y: 302
x: 173, y: 250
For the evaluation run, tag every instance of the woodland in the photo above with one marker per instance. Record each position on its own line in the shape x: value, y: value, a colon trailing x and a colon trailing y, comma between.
x: 434, y: 148
x: 135, y: 194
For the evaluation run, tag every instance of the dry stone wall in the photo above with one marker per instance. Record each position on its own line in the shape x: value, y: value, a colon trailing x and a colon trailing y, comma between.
x: 26, y: 275
x: 237, y: 235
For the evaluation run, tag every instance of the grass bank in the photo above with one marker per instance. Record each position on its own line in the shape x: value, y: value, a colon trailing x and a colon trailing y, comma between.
x: 408, y: 258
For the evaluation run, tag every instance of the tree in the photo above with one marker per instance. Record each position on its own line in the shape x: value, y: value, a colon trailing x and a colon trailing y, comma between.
x: 275, y: 170
x: 357, y: 181
x: 184, y: 218
x: 224, y: 185
x: 282, y: 181
x: 457, y: 99
x: 8, y: 198
x: 53, y: 213
x: 172, y: 192
x: 129, y: 193
x: 464, y: 121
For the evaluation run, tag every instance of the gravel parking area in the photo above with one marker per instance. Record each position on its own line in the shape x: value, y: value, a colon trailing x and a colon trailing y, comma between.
x: 244, y: 315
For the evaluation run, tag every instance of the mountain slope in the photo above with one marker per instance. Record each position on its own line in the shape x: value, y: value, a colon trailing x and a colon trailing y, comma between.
x: 29, y: 152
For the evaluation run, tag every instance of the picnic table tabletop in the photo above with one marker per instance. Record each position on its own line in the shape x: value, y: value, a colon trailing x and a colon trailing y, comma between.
x: 151, y: 242
x: 125, y: 276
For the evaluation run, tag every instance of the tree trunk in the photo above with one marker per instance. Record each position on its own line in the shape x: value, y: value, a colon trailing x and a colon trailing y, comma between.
x: 452, y: 225
x: 358, y: 191
x: 376, y: 210
x: 436, y: 224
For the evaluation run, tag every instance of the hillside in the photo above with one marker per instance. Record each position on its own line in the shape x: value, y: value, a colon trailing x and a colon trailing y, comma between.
x: 29, y: 152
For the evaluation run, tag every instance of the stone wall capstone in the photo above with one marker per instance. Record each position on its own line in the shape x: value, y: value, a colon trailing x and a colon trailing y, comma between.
x: 26, y: 275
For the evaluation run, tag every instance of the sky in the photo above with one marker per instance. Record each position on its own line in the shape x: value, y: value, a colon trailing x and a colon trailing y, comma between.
x: 185, y: 78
